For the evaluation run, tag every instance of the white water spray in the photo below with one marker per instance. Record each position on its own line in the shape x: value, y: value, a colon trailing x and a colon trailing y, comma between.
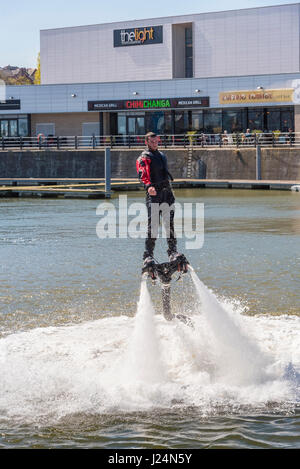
x: 143, y: 361
x: 120, y: 363
x: 240, y: 361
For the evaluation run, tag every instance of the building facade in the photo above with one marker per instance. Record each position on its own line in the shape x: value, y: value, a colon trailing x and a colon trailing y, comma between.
x: 209, y: 72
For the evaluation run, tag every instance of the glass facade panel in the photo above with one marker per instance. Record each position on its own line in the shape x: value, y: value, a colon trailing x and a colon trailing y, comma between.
x: 131, y: 125
x: 4, y: 128
x: 189, y: 52
x: 13, y: 128
x: 197, y: 121
x: 273, y: 119
x: 181, y: 123
x: 212, y: 122
x: 140, y: 125
x: 136, y: 125
x: 155, y: 122
x: 234, y: 120
x: 113, y: 121
x: 168, y: 122
x: 23, y: 127
x: 255, y: 119
x: 287, y: 120
x: 122, y: 124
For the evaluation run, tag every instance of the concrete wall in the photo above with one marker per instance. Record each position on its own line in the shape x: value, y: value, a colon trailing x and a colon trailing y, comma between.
x: 224, y: 164
x: 281, y: 164
x: 276, y: 163
x: 51, y: 164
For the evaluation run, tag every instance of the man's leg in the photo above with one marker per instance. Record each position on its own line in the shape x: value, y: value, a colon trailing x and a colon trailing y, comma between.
x: 171, y: 240
x: 151, y: 237
x: 168, y: 220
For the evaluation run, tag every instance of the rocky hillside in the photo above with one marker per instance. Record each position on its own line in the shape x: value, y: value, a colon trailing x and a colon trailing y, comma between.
x: 17, y: 75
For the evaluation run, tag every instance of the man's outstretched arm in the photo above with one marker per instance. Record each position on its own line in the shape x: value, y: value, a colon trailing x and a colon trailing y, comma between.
x: 143, y: 170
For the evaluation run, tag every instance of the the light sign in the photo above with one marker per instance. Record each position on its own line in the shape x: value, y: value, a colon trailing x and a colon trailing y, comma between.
x: 138, y: 36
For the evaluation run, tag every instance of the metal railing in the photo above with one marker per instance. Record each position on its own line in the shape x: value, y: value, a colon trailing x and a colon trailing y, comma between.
x: 271, y: 139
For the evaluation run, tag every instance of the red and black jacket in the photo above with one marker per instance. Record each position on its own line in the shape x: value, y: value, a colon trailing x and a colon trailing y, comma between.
x: 152, y: 168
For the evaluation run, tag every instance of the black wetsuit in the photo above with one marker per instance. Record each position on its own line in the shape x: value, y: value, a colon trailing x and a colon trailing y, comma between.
x: 153, y: 172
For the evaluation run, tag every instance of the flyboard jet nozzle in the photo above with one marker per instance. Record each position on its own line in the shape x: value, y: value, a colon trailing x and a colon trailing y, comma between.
x: 165, y: 270
x: 164, y: 273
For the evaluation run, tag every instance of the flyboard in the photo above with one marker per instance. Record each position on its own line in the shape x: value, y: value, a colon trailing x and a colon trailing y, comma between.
x: 164, y: 272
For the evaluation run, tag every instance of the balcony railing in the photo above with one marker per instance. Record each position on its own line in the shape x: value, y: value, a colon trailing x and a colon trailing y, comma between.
x: 199, y: 140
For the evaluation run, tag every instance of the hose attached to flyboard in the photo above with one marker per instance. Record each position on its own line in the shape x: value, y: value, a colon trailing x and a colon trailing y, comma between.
x: 164, y: 272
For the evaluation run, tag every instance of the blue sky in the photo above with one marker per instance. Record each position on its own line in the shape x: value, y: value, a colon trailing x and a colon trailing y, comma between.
x: 21, y: 21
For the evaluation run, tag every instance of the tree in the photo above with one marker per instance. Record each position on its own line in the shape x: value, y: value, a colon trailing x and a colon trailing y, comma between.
x: 21, y: 80
x: 37, y: 75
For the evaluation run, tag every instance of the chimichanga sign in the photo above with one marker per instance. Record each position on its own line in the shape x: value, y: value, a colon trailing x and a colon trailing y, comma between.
x: 149, y: 104
x: 256, y: 96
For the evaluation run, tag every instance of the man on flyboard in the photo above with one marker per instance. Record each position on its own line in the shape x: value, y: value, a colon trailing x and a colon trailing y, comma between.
x: 152, y: 169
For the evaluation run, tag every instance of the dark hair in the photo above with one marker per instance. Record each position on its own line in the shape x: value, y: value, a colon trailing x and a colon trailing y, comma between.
x: 149, y: 135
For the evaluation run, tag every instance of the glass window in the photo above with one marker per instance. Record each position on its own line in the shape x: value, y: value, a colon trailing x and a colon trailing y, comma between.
x: 287, y: 120
x: 113, y: 121
x: 155, y: 122
x: 131, y: 125
x: 140, y: 126
x: 168, y: 122
x: 273, y: 119
x: 136, y: 125
x: 23, y: 127
x: 189, y: 67
x: 4, y: 128
x: 181, y: 122
x: 188, y: 36
x: 13, y: 128
x: 255, y: 119
x: 121, y: 124
x: 188, y: 52
x: 17, y: 127
x: 233, y: 120
x: 197, y: 121
x: 212, y: 122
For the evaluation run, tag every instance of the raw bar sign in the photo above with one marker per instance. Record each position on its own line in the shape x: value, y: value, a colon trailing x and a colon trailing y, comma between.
x: 149, y: 104
x: 138, y: 36
x: 256, y: 96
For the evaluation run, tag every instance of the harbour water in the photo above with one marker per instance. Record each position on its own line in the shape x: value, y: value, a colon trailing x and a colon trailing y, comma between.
x: 88, y: 361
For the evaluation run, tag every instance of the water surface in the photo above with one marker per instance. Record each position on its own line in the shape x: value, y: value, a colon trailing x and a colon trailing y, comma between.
x: 68, y: 304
